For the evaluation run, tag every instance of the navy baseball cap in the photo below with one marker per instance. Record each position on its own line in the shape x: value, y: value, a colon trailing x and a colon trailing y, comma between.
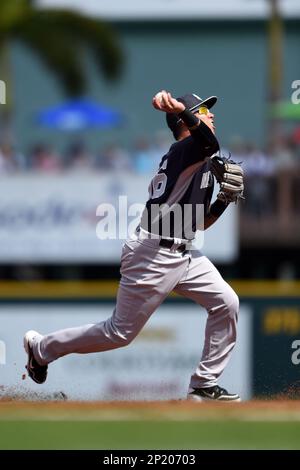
x: 191, y: 102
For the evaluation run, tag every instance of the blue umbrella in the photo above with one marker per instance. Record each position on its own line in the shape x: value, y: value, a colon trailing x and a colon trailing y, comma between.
x: 78, y: 115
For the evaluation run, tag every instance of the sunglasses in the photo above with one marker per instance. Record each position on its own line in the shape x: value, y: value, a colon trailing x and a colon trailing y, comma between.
x: 200, y: 110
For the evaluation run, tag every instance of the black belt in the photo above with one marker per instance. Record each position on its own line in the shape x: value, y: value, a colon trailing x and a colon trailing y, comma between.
x: 164, y: 242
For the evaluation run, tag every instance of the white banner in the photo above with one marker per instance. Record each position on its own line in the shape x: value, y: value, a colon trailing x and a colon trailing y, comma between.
x: 156, y: 366
x: 53, y: 218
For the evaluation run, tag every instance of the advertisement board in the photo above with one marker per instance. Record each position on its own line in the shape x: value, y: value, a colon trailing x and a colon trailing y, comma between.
x: 157, y: 365
x: 276, y: 356
x: 74, y: 218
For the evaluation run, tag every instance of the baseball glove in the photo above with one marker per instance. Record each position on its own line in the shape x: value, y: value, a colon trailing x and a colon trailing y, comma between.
x: 230, y: 177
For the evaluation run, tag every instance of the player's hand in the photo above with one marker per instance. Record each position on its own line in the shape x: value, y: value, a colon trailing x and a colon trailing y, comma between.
x: 164, y: 101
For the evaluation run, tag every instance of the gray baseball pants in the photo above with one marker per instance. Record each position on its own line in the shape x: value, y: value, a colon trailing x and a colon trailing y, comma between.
x: 149, y: 273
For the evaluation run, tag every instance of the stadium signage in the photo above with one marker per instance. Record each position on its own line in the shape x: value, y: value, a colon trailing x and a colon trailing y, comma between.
x: 2, y: 353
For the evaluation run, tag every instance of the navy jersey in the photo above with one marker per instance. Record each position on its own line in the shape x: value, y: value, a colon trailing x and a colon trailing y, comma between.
x: 181, y: 191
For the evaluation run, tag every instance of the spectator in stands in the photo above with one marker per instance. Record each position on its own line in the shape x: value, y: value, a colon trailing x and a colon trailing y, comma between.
x: 114, y: 158
x: 143, y: 156
x: 44, y: 159
x: 78, y: 157
x: 259, y: 167
x: 283, y: 153
x: 10, y: 160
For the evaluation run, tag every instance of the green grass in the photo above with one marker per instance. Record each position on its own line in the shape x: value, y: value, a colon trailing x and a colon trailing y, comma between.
x: 149, y: 435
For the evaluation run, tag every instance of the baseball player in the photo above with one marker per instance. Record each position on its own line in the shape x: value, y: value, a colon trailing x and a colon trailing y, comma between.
x: 160, y: 257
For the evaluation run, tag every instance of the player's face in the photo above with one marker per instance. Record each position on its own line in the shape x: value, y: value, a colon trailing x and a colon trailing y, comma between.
x: 206, y: 116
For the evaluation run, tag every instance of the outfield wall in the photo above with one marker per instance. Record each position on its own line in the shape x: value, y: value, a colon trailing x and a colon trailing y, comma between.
x: 158, y: 364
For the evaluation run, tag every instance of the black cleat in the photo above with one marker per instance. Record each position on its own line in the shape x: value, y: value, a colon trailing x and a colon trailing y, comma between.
x: 215, y: 393
x: 35, y: 371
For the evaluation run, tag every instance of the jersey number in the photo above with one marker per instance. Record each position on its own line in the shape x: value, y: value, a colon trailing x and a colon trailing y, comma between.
x: 158, y: 185
x: 206, y: 180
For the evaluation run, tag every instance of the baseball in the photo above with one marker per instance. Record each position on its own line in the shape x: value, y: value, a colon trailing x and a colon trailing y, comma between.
x: 159, y: 97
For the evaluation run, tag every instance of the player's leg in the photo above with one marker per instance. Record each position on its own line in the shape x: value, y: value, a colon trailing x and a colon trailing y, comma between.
x: 203, y: 283
x: 148, y: 275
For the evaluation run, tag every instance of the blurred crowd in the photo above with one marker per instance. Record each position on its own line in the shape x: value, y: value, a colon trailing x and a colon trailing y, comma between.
x: 267, y: 170
x: 142, y: 157
x: 262, y: 166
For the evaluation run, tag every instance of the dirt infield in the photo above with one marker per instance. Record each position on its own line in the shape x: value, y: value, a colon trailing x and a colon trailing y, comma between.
x: 181, y: 410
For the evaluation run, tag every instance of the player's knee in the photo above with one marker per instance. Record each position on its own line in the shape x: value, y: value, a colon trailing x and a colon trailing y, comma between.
x: 122, y: 339
x: 128, y: 338
x: 232, y: 303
